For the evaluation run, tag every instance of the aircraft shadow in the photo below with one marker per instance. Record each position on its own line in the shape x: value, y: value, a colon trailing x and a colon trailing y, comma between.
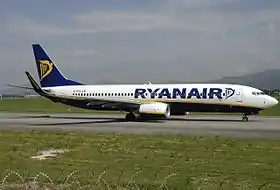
x: 80, y: 122
x: 206, y: 120
x: 66, y: 117
x: 119, y: 120
x: 104, y: 119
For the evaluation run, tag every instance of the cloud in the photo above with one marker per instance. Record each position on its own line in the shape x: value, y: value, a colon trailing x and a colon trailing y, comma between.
x: 84, y: 53
x: 20, y: 25
x: 124, y: 21
x: 179, y: 36
x: 93, y: 22
x: 200, y: 15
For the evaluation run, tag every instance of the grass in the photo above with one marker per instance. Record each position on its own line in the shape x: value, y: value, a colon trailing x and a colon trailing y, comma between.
x: 111, y: 161
x: 274, y: 111
x: 41, y: 105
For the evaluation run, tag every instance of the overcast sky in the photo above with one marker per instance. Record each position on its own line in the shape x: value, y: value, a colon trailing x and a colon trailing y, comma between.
x: 140, y: 40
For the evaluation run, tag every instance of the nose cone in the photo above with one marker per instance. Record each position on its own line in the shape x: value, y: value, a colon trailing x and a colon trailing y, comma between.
x: 271, y: 101
x: 275, y: 101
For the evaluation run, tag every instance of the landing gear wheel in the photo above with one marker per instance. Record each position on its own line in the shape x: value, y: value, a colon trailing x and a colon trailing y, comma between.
x: 130, y: 117
x: 245, y: 118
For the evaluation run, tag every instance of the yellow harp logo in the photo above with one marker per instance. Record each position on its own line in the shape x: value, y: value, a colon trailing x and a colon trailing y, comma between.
x: 46, y: 68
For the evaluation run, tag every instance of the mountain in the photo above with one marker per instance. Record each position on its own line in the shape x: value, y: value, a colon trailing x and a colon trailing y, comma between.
x: 268, y: 79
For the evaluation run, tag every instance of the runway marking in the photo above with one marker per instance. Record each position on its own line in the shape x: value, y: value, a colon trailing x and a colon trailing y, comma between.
x: 44, y: 154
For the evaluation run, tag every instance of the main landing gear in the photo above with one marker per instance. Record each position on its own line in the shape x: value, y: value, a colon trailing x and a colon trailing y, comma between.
x: 244, y: 118
x: 130, y: 117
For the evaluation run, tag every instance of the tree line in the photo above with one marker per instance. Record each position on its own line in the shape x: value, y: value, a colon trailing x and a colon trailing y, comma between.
x: 272, y: 92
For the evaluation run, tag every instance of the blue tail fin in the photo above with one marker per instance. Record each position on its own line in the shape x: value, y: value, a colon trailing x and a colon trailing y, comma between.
x: 48, y: 72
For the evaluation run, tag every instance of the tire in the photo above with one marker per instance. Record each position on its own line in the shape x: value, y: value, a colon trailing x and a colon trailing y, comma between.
x: 245, y: 119
x: 130, y: 117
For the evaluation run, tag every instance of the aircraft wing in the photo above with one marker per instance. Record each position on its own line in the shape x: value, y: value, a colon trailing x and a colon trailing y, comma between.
x: 90, y: 101
x: 112, y: 101
x: 95, y: 101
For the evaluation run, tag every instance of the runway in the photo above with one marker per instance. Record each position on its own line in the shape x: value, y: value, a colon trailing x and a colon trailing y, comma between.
x: 227, y: 126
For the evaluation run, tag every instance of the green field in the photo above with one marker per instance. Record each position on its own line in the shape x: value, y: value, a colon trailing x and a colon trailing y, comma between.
x: 39, y: 105
x: 42, y: 105
x: 110, y: 161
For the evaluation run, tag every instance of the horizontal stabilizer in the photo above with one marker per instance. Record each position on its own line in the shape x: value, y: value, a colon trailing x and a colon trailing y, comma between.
x: 20, y: 86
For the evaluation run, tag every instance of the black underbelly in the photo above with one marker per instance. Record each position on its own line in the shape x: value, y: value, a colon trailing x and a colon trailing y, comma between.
x: 176, y: 107
x: 197, y: 107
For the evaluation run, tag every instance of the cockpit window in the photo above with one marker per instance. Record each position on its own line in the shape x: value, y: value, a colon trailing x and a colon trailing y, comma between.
x: 258, y: 93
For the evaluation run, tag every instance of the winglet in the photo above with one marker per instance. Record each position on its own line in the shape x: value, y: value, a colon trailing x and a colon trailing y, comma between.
x: 34, y: 84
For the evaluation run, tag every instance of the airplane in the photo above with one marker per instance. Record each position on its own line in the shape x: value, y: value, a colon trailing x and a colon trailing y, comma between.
x: 145, y: 101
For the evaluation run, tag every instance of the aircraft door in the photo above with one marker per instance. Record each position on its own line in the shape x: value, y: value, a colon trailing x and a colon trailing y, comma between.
x: 147, y: 94
x: 239, y: 95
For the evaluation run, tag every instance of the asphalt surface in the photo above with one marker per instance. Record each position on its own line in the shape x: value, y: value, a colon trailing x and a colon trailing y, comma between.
x: 222, y: 125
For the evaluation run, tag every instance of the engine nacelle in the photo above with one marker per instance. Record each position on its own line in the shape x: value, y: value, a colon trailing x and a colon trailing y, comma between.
x: 155, y: 110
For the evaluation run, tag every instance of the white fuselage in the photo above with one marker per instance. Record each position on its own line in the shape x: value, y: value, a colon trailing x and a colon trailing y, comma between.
x: 146, y: 101
x: 192, y: 96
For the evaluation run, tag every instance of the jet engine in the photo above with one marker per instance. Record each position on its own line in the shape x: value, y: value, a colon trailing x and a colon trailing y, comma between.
x: 154, y: 110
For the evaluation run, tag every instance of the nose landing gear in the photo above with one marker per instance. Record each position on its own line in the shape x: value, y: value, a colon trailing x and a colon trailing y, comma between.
x: 244, y: 118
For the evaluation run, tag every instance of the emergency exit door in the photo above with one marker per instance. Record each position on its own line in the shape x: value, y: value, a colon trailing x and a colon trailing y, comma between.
x: 238, y: 95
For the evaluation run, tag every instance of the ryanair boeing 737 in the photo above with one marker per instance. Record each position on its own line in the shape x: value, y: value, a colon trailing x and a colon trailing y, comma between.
x: 146, y: 101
